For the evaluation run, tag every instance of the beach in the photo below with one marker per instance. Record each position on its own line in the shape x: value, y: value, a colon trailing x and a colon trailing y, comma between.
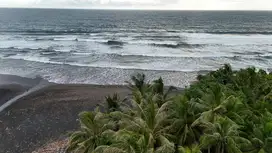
x: 56, y: 63
x: 46, y: 114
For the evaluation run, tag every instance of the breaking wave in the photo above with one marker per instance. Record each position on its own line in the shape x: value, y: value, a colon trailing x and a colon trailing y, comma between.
x: 179, y: 45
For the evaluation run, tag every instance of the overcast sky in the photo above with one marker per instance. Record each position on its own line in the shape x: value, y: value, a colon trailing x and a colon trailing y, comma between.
x: 145, y: 4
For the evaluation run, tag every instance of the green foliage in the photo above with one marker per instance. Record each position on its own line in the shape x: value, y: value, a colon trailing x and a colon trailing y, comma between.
x: 95, y: 131
x: 193, y: 149
x: 226, y: 111
x: 113, y: 103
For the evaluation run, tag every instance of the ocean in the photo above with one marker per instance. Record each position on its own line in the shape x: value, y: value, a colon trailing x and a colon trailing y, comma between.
x: 108, y: 46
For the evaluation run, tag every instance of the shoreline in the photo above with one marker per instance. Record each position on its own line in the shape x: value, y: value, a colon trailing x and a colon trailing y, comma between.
x: 12, y: 86
x: 67, y: 74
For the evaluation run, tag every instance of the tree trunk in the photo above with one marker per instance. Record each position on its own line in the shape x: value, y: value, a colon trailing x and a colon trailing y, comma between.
x: 218, y: 149
x: 222, y: 149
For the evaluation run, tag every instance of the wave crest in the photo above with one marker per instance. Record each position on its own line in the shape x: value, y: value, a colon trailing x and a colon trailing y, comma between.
x: 179, y: 45
x: 240, y: 32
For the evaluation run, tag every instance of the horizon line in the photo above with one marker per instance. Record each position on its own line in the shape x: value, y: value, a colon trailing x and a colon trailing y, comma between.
x: 126, y: 9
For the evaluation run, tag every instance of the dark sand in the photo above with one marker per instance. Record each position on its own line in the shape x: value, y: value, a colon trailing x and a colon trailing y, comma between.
x: 16, y: 80
x: 11, y: 86
x: 48, y: 114
x: 7, y: 92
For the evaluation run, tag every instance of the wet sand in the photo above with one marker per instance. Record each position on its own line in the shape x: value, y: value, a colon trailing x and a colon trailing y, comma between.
x: 48, y: 114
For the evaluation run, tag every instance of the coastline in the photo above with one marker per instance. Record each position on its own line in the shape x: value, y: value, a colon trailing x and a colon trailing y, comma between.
x: 67, y: 74
x: 47, y: 113
x: 67, y: 61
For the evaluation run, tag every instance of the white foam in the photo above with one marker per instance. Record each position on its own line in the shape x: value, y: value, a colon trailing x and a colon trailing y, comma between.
x: 82, y: 53
x: 139, y: 54
x: 33, y: 59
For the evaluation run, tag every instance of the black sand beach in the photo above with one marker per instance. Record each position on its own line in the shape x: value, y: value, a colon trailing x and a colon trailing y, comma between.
x: 7, y: 92
x: 46, y: 114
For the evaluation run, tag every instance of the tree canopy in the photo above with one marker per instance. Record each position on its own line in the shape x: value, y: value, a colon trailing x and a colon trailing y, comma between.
x: 225, y: 111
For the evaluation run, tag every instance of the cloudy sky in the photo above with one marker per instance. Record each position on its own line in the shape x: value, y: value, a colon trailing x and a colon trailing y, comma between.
x: 145, y: 4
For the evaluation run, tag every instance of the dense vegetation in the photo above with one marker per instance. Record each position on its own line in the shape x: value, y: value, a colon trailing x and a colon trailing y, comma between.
x: 225, y: 111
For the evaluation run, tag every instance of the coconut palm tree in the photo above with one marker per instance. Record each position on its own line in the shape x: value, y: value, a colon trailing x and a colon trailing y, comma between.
x: 150, y: 121
x: 193, y: 149
x: 113, y: 103
x: 159, y: 89
x: 224, y: 75
x: 212, y: 103
x: 261, y: 137
x: 123, y: 141
x: 226, y: 111
x: 108, y: 149
x: 142, y: 129
x: 139, y: 83
x: 95, y: 131
x: 222, y: 137
x: 182, y: 116
x: 140, y: 88
x: 131, y: 142
x: 142, y: 143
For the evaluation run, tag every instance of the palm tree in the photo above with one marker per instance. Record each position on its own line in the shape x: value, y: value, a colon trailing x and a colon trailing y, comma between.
x: 138, y: 83
x: 142, y: 143
x: 222, y: 137
x: 212, y: 104
x: 95, y: 131
x: 193, y: 149
x: 149, y: 121
x: 131, y: 142
x: 114, y: 103
x: 226, y: 111
x: 224, y: 75
x: 141, y: 130
x: 123, y: 141
x: 108, y: 149
x: 254, y: 85
x: 140, y: 88
x: 182, y: 116
x: 159, y: 89
x: 261, y: 138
